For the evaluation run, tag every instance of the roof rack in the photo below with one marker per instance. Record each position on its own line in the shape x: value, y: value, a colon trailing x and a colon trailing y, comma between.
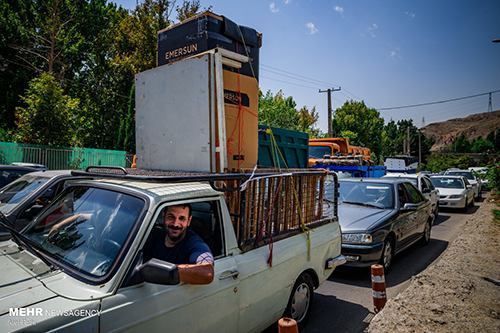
x: 161, y: 176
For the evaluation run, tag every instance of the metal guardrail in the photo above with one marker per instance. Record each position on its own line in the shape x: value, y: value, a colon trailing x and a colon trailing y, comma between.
x: 63, y: 159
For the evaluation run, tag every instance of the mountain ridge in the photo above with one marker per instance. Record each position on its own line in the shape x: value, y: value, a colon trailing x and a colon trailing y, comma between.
x: 473, y: 126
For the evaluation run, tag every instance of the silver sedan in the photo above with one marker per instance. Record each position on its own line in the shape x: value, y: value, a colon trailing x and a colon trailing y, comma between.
x: 455, y: 191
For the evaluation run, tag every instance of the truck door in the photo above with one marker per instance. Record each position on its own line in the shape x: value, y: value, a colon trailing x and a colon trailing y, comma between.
x: 147, y: 307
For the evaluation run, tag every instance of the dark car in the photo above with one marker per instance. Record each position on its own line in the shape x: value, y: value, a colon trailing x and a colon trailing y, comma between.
x: 23, y: 199
x: 9, y: 173
x: 39, y: 167
x: 381, y: 217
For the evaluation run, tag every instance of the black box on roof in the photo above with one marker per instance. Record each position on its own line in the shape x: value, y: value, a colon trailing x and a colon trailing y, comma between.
x: 207, y: 31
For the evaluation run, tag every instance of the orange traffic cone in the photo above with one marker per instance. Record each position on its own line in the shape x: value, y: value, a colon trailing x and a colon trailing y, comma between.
x: 287, y: 325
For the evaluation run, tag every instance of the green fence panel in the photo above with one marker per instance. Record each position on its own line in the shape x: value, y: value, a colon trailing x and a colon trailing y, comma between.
x: 61, y: 158
x: 15, y: 152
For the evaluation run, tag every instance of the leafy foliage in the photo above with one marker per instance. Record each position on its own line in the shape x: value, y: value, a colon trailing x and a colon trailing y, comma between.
x: 49, y: 116
x: 189, y: 9
x: 481, y: 145
x: 280, y: 111
x: 437, y: 162
x: 493, y: 175
x: 93, y: 49
x: 489, y: 145
x: 366, y: 123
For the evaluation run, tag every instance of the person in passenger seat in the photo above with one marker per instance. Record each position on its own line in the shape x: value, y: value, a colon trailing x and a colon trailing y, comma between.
x: 181, y: 246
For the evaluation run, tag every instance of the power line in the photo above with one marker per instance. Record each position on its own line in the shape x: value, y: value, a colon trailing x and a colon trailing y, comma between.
x: 311, y: 81
x: 293, y: 84
x: 296, y: 76
x: 438, y: 102
x: 300, y: 76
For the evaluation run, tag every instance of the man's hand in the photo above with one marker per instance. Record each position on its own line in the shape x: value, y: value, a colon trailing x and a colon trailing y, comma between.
x: 196, y: 274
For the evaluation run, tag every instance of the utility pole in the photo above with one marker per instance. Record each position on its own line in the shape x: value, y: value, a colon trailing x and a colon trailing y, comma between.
x: 408, y: 141
x: 419, y: 149
x: 329, y: 91
x: 490, y: 106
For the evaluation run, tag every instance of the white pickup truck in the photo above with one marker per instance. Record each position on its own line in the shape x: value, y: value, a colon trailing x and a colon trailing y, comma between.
x: 89, y: 276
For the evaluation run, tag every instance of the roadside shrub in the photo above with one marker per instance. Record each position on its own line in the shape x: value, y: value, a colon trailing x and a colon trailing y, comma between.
x: 438, y: 162
x: 493, y: 175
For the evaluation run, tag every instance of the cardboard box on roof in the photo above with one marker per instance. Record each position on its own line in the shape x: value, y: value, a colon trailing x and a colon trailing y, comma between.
x: 208, y: 31
x: 241, y: 119
x: 177, y: 112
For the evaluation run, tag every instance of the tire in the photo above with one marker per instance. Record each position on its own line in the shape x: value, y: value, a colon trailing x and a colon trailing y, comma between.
x: 426, y: 237
x: 299, y: 304
x: 436, y: 211
x: 387, y: 255
x: 472, y: 202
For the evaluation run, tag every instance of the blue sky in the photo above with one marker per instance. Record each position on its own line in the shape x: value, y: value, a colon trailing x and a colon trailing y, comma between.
x: 387, y: 53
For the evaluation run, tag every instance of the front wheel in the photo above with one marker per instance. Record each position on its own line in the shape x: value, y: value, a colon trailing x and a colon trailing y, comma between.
x: 426, y: 237
x: 299, y: 304
x: 387, y: 255
x: 472, y: 202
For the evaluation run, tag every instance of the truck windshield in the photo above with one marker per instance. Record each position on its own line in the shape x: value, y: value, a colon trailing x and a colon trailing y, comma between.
x: 86, y: 228
x: 16, y: 191
x: 319, y: 151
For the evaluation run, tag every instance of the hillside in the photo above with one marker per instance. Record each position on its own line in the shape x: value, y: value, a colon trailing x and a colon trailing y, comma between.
x: 473, y: 126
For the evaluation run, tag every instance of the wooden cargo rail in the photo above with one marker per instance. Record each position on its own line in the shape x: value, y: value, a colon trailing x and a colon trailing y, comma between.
x: 264, y: 205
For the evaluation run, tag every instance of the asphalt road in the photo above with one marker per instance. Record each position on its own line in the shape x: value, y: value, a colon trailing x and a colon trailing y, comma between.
x: 344, y: 302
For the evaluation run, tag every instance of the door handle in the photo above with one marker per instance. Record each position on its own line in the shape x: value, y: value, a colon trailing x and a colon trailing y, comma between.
x: 233, y: 274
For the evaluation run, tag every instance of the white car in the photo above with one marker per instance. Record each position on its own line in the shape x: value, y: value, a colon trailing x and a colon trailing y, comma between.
x: 481, y: 172
x: 424, y: 184
x: 455, y: 191
x: 473, y: 180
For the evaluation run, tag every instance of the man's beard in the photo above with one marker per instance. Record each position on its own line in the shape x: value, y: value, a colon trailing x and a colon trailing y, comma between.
x: 179, y: 236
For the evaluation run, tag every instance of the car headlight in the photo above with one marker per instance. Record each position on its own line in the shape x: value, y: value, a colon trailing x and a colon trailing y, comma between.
x: 455, y: 196
x: 357, y: 238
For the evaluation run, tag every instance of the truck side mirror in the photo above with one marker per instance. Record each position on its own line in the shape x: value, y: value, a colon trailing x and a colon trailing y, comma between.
x: 160, y: 272
x: 154, y: 271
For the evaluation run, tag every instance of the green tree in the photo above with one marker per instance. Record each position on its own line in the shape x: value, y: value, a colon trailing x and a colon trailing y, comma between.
x: 53, y: 41
x: 495, y: 140
x: 491, y: 137
x: 102, y: 86
x: 481, y: 145
x: 15, y: 75
x: 308, y: 120
x: 392, y: 139
x: 92, y: 47
x: 462, y: 145
x: 437, y: 162
x: 126, y: 135
x: 48, y: 117
x: 278, y: 110
x: 131, y: 48
x: 366, y: 122
x: 189, y: 9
